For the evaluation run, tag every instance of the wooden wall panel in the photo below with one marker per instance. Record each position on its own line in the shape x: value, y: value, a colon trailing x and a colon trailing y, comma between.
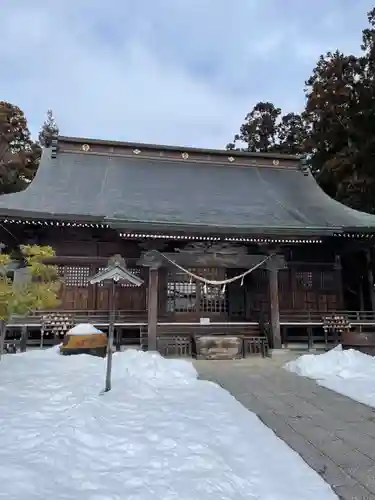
x: 307, y: 289
x: 128, y: 297
x: 75, y: 291
x: 74, y: 298
x: 313, y: 289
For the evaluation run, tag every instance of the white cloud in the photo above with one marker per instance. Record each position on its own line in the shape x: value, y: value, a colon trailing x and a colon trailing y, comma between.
x: 96, y: 89
x: 172, y: 71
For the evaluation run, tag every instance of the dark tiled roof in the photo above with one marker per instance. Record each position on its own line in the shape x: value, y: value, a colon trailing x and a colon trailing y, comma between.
x: 135, y: 192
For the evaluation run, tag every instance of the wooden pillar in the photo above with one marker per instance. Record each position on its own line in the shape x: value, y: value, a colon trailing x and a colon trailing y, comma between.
x: 92, y: 290
x: 361, y: 296
x: 154, y: 261
x: 310, y: 339
x: 152, y: 306
x: 274, y: 305
x: 118, y: 337
x: 370, y: 277
x: 339, y: 282
x: 24, y: 338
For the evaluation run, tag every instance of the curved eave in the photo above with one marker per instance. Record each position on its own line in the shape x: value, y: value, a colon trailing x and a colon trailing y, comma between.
x: 157, y: 227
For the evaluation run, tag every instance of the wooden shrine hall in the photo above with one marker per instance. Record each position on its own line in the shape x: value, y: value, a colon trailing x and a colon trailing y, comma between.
x: 192, y: 224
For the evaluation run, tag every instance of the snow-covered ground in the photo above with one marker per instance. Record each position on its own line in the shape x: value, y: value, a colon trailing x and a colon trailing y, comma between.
x: 347, y: 372
x: 159, y: 434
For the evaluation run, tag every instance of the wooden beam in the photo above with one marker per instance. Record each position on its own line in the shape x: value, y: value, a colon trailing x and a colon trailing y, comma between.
x: 84, y: 260
x: 202, y: 259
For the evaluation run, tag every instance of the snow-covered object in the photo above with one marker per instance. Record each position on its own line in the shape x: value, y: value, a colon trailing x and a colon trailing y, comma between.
x: 159, y: 434
x: 348, y: 372
x: 84, y: 329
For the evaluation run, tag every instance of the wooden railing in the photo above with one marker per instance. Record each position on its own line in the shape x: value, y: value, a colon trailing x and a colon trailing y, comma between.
x: 309, y: 337
x: 316, y: 317
x: 306, y: 327
x: 140, y: 317
x: 81, y: 316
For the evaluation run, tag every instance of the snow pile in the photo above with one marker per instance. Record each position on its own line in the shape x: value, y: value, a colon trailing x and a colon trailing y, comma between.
x: 159, y: 434
x: 348, y: 372
x: 84, y: 329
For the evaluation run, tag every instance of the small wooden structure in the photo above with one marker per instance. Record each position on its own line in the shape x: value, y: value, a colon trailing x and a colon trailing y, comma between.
x: 115, y: 272
x: 171, y: 211
x: 84, y: 339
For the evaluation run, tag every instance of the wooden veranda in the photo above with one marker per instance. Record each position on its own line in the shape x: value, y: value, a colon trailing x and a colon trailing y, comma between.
x: 302, y: 329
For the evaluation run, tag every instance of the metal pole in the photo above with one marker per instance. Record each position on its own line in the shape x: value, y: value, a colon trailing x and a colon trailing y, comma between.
x: 110, y: 338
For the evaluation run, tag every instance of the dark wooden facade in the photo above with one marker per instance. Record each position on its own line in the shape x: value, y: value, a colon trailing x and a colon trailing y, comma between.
x: 321, y: 260
x: 310, y: 282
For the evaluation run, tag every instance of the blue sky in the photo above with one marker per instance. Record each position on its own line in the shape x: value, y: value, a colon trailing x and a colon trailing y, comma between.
x: 166, y: 71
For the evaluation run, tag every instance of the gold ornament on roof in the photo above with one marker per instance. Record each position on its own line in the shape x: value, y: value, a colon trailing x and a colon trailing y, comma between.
x: 86, y: 147
x: 185, y: 156
x: 231, y: 159
x: 276, y: 162
x: 136, y: 151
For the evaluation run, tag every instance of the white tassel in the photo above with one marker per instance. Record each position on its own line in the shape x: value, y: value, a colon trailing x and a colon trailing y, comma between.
x: 224, y: 288
x: 205, y: 288
x: 242, y: 280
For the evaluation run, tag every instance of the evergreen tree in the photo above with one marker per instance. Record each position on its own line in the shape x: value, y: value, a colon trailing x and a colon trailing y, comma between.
x: 341, y: 110
x: 336, y: 131
x: 292, y: 133
x: 332, y: 109
x: 39, y: 291
x: 19, y: 154
x: 49, y: 130
x: 259, y: 132
x: 266, y: 131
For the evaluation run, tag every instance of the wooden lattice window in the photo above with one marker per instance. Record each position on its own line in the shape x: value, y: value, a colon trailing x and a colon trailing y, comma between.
x: 75, y: 276
x: 304, y: 280
x: 213, y: 299
x: 182, y: 292
x: 188, y: 295
x: 124, y: 284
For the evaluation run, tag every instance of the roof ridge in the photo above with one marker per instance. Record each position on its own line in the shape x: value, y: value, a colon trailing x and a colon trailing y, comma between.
x: 177, y: 148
